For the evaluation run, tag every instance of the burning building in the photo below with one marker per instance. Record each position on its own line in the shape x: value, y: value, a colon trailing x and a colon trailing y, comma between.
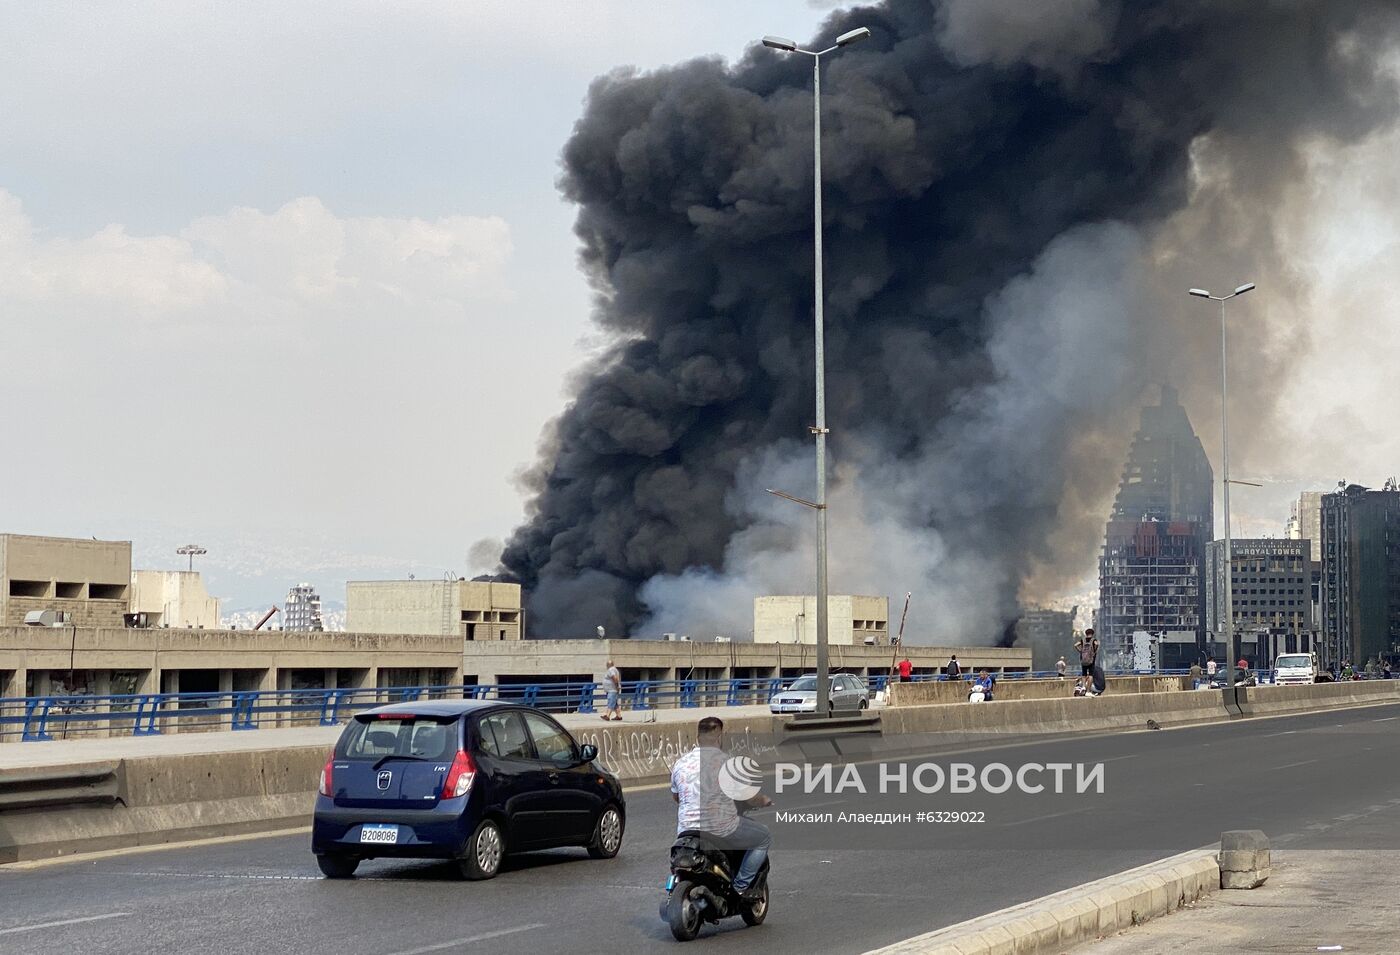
x: 1152, y: 569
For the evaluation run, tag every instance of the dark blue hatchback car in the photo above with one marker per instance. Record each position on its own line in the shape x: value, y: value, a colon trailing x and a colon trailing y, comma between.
x: 467, y: 780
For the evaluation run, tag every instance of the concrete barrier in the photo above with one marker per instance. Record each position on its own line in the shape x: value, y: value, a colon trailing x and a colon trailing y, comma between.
x: 155, y: 800
x: 49, y: 787
x: 940, y: 691
x: 1049, y: 925
x: 1059, y: 715
x: 645, y: 752
x: 1277, y: 700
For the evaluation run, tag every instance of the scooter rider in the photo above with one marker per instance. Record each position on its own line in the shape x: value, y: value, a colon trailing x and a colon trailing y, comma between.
x: 704, y: 807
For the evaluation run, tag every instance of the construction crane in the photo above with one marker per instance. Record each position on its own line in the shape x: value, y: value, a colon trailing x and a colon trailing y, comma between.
x: 265, y: 618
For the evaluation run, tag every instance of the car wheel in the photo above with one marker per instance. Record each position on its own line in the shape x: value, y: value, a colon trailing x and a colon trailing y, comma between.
x: 337, y: 866
x: 607, y: 834
x: 485, y: 850
x: 864, y: 705
x: 682, y: 914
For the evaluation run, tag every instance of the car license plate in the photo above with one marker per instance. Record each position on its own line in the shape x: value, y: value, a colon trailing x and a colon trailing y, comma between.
x: 373, y: 832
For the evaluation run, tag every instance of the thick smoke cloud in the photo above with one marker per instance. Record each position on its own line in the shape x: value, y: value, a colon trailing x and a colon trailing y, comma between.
x: 1012, y: 200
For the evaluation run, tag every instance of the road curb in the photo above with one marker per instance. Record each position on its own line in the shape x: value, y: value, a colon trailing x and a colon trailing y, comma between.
x: 1048, y: 925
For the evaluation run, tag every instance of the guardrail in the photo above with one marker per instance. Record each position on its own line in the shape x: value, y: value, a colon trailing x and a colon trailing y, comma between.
x: 40, y: 718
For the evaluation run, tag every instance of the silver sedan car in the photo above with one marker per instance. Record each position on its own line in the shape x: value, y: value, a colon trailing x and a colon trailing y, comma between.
x: 847, y: 693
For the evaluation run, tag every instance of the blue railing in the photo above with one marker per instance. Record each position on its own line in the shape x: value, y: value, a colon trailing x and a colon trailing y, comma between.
x: 148, y: 714
x: 48, y: 717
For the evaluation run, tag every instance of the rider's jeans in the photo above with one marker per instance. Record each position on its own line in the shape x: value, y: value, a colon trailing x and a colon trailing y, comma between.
x: 755, y: 839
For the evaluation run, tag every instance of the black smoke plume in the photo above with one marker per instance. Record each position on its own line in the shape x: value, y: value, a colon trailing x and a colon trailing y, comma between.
x: 1005, y: 184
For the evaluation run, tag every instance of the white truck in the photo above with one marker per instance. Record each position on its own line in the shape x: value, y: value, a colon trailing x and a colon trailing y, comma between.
x: 1291, y: 669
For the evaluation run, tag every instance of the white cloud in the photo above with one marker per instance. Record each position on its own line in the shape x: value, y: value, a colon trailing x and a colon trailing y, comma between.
x: 145, y: 275
x: 301, y: 263
x: 281, y: 370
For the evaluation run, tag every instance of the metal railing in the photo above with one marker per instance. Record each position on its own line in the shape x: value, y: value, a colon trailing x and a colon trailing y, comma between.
x: 149, y: 714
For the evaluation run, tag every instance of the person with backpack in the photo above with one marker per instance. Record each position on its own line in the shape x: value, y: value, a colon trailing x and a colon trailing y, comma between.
x: 1088, y: 649
x: 953, y: 669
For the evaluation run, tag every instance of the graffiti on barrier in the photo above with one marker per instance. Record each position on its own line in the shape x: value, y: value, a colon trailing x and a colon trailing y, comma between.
x: 638, y: 753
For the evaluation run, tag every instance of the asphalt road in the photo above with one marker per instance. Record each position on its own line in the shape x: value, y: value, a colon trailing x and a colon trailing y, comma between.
x: 1309, y: 781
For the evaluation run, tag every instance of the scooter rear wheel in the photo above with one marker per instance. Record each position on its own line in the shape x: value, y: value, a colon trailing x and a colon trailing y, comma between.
x: 756, y: 911
x: 682, y: 914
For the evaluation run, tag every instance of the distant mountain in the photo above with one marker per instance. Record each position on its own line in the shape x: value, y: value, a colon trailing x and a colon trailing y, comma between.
x: 255, y: 569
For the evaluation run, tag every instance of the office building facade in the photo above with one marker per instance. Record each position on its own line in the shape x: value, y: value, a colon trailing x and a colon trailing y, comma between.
x: 1271, y: 584
x: 1361, y: 573
x: 79, y: 582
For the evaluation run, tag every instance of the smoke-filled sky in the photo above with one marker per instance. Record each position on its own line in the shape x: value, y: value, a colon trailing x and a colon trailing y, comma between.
x: 1017, y: 198
x: 302, y: 279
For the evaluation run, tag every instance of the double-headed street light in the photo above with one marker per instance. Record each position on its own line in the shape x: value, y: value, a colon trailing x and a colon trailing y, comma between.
x: 819, y: 429
x: 191, y: 551
x: 1232, y: 640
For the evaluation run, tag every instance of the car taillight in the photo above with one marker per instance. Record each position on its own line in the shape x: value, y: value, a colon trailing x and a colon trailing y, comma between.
x: 460, y: 776
x: 326, y: 774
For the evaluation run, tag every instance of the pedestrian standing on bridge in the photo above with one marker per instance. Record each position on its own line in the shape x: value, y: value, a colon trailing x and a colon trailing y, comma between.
x: 1060, y: 667
x: 906, y: 670
x: 1088, y: 648
x: 1210, y: 667
x: 954, y: 670
x: 612, y: 680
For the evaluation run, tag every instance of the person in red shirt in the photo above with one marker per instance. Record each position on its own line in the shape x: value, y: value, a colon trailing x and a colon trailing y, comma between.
x: 906, y: 669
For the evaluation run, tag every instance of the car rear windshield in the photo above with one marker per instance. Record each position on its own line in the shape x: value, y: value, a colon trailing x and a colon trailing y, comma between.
x: 374, y: 736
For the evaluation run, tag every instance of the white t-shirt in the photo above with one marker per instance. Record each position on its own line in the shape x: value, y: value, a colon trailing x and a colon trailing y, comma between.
x: 1210, y: 667
x: 614, y: 679
x: 703, y: 805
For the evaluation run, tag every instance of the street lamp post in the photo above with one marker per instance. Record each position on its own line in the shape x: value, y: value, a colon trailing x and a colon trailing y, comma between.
x: 191, y: 551
x: 1232, y: 638
x: 819, y: 430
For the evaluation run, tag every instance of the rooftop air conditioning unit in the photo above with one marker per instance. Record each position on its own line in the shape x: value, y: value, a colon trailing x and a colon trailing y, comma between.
x: 668, y: 636
x: 46, y: 618
x: 685, y: 637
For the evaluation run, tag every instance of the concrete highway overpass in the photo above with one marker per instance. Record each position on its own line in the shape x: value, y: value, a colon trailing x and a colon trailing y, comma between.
x: 1326, y: 779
